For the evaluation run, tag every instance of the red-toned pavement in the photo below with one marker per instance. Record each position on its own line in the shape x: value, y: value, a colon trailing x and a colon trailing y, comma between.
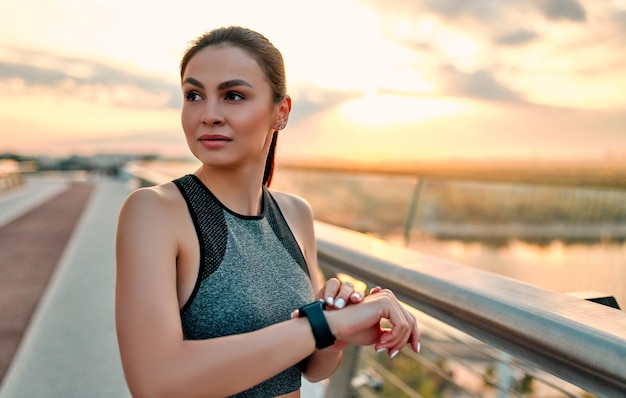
x: 30, y: 248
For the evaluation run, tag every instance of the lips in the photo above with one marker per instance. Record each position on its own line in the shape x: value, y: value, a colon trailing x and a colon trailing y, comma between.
x: 214, y: 137
x: 214, y: 141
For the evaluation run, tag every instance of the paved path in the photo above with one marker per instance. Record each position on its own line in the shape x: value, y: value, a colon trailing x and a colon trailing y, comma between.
x: 34, y: 192
x: 31, y: 242
x: 69, y: 348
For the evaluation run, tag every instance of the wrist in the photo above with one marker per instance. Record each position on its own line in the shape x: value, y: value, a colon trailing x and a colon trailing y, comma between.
x: 338, y: 347
x: 331, y: 319
x: 316, y: 316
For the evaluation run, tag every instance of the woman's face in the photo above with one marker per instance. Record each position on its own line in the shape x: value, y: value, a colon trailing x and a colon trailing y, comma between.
x: 227, y: 113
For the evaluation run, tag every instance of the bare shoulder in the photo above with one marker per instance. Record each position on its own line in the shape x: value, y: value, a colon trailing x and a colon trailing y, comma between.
x: 160, y: 198
x: 293, y: 206
x: 148, y: 238
x: 155, y: 195
x: 152, y: 210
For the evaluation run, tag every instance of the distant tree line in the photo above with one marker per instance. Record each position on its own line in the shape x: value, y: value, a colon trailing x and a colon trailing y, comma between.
x: 103, y: 163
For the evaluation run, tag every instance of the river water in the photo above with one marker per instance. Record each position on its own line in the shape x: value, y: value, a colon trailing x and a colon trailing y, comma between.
x: 557, y: 266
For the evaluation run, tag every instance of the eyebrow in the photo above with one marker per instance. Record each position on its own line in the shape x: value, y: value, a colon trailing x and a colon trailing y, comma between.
x: 233, y: 83
x: 221, y: 86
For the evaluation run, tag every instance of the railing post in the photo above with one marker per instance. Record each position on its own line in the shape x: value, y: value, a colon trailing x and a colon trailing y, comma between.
x: 340, y: 381
x: 504, y: 375
x: 410, y: 219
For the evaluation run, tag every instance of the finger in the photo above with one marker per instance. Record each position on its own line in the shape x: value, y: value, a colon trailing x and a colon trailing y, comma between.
x: 411, y: 336
x: 391, y: 351
x: 402, y: 322
x: 380, y: 346
x: 375, y: 289
x: 416, y: 342
x: 416, y: 339
x: 356, y: 297
x: 331, y: 288
x: 343, y: 295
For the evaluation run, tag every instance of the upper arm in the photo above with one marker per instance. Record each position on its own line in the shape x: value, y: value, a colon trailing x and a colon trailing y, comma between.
x: 146, y: 307
x: 299, y: 216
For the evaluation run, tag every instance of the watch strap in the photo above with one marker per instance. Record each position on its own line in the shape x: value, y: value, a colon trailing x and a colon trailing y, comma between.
x: 314, y: 312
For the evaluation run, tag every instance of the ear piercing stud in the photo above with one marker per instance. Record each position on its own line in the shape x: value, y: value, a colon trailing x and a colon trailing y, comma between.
x: 280, y: 127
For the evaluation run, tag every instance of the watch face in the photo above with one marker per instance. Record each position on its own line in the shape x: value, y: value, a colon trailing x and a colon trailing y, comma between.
x: 311, y: 306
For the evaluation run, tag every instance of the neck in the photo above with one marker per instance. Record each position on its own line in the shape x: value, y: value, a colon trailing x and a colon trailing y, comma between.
x: 239, y: 190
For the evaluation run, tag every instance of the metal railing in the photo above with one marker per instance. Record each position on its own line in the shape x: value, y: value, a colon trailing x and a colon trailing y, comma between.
x: 581, y: 342
x: 10, y: 181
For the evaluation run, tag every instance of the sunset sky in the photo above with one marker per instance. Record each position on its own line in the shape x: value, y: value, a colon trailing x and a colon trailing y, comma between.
x: 375, y: 80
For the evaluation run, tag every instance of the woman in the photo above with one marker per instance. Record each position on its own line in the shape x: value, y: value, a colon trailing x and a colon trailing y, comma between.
x: 212, y: 267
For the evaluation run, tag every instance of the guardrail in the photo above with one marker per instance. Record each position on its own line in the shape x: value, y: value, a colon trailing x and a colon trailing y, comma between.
x: 10, y: 181
x: 576, y: 340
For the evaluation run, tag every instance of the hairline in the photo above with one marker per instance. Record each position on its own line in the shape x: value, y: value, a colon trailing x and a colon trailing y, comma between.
x: 257, y: 59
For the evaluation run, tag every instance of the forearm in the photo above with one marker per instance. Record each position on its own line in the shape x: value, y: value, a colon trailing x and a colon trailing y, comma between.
x: 322, y: 364
x: 222, y: 366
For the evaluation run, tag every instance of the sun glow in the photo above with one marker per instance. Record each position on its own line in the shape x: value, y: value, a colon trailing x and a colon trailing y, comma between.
x: 390, y: 109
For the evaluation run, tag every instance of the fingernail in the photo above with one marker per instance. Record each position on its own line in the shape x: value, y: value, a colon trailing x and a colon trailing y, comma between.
x: 419, y: 346
x: 393, y: 354
x: 381, y: 349
x: 340, y: 303
x: 356, y: 296
x: 330, y: 300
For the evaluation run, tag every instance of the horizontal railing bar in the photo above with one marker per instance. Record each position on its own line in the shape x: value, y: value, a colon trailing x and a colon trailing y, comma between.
x: 578, y: 341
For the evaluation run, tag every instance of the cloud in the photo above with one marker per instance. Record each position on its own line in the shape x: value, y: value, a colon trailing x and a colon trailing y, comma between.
x: 454, y: 9
x: 309, y: 100
x: 449, y: 9
x: 480, y: 84
x: 562, y: 10
x: 32, y: 74
x: 517, y: 37
x: 485, y: 10
x: 78, y: 76
x: 552, y: 52
x: 619, y: 19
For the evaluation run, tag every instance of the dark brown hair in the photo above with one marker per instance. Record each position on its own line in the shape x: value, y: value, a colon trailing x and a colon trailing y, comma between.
x: 267, y: 56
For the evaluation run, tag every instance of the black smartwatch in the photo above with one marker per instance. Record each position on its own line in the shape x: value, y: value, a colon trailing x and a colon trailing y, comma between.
x: 314, y: 312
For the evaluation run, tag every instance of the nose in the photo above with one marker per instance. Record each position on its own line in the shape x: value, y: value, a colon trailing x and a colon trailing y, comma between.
x: 212, y: 115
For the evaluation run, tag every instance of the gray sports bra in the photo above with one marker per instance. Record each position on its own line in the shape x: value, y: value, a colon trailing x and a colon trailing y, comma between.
x: 252, y: 275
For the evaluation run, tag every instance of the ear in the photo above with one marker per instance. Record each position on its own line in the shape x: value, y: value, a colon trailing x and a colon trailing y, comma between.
x: 284, y: 108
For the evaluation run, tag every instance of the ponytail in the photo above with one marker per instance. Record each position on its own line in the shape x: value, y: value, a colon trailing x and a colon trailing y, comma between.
x: 269, y: 162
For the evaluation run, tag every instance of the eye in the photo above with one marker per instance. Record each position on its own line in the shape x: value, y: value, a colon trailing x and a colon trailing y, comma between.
x: 192, y: 96
x: 233, y: 96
